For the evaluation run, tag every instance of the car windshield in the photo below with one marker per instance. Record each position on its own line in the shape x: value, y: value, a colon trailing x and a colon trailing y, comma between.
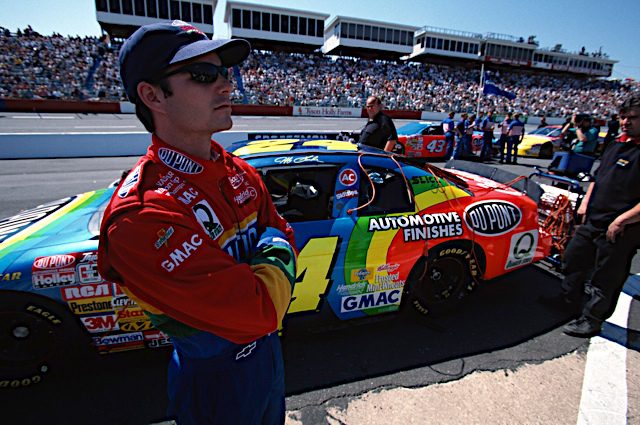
x: 547, y: 131
x: 412, y: 128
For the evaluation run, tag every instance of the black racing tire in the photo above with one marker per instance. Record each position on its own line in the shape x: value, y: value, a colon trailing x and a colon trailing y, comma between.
x: 438, y: 283
x: 546, y: 151
x: 34, y: 334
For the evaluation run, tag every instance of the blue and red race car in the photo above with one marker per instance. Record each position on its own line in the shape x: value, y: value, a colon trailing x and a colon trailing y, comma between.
x: 425, y: 139
x: 374, y: 232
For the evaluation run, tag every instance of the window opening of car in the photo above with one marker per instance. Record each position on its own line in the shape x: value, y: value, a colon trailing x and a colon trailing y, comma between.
x: 302, y: 194
x: 370, y: 191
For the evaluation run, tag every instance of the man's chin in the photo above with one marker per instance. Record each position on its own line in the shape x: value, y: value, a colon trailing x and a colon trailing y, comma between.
x: 223, y: 124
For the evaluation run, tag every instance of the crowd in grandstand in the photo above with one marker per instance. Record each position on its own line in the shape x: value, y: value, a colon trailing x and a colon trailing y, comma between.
x: 35, y: 66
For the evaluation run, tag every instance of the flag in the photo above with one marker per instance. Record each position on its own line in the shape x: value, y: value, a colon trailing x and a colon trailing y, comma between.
x: 490, y: 88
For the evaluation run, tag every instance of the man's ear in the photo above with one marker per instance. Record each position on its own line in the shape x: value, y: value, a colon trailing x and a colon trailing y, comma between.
x: 151, y: 95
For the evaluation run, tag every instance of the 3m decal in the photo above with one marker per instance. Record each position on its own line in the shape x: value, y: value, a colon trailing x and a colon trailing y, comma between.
x: 314, y: 271
x: 208, y: 219
x: 129, y: 182
x: 163, y: 237
x: 348, y: 177
x: 178, y: 161
x: 101, y: 323
x: 179, y: 255
x: 522, y: 249
x: 370, y: 300
x: 492, y: 218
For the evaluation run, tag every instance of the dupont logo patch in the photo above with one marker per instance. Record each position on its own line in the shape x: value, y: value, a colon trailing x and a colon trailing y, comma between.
x: 492, y: 218
x: 178, y: 161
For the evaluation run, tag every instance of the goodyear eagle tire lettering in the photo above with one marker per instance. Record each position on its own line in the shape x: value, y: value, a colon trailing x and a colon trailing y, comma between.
x: 439, y: 282
x: 34, y: 332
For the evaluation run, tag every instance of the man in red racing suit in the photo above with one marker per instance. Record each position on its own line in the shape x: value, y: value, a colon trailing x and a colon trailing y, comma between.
x: 192, y: 236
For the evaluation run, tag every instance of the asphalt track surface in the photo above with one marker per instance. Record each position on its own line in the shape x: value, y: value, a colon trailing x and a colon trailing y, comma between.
x: 500, y: 359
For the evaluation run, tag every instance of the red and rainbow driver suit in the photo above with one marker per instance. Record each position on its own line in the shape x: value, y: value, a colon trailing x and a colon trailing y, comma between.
x: 177, y: 236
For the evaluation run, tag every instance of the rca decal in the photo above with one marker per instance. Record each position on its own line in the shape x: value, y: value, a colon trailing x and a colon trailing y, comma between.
x: 492, y: 218
x: 420, y: 226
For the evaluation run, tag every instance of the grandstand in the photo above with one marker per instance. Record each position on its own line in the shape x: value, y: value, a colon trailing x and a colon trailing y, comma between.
x: 302, y: 58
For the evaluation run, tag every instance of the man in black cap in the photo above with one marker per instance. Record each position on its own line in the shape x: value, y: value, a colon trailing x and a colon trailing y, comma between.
x: 192, y: 236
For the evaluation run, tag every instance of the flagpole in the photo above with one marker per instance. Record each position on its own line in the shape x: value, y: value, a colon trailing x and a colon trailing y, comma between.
x: 480, y: 89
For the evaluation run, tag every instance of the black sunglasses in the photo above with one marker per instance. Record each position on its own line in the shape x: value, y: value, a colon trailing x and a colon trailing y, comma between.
x: 201, y: 72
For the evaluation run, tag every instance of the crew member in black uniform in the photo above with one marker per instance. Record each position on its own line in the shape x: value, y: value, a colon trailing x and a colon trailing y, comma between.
x: 598, y: 259
x: 379, y: 131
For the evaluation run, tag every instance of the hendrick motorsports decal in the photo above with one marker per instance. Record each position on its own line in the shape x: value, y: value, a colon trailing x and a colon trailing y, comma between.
x: 522, y: 249
x: 421, y: 226
x: 492, y: 218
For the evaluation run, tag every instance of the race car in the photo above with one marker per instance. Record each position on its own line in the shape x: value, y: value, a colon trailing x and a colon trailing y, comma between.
x: 374, y: 232
x: 425, y: 139
x: 541, y: 142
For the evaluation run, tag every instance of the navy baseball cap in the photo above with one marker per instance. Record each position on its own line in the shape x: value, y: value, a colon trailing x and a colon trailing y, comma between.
x: 152, y: 48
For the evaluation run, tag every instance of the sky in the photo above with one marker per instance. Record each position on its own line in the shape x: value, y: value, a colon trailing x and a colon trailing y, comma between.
x: 610, y: 25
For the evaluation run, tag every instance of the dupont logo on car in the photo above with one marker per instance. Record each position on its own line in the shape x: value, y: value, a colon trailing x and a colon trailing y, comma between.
x: 492, y: 218
x: 348, y: 177
x: 53, y: 262
x: 179, y: 162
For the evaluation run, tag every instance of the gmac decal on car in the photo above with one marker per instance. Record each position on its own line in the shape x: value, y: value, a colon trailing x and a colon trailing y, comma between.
x: 373, y: 232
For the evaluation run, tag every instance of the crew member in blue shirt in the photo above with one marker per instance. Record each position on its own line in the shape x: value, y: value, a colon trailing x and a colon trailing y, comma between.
x: 461, y: 130
x: 448, y: 126
x: 487, y: 125
x: 516, y: 134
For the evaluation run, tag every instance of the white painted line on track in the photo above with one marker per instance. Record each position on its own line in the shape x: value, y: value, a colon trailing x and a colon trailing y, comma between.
x: 26, y: 117
x: 105, y: 126
x: 604, y: 389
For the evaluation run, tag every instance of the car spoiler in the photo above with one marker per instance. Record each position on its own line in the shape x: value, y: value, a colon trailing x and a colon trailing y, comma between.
x: 526, y: 185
